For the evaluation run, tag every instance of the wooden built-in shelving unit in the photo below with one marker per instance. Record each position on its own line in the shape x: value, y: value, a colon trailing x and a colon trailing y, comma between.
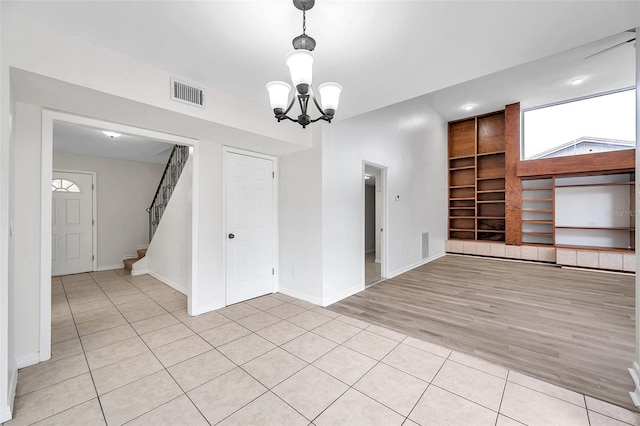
x: 476, y: 178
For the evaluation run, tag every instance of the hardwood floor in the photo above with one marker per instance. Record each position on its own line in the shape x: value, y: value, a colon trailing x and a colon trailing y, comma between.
x: 568, y: 327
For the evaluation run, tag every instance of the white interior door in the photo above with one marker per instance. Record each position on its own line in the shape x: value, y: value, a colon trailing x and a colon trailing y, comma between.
x: 71, y: 223
x: 250, y: 227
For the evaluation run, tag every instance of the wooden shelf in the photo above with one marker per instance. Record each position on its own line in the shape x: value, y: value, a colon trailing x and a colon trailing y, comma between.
x: 482, y: 154
x: 576, y: 185
x: 537, y: 211
x: 545, y: 234
x: 536, y: 200
x: 537, y: 222
x: 538, y: 188
x: 596, y: 248
x: 476, y: 149
x: 491, y: 178
x: 596, y: 228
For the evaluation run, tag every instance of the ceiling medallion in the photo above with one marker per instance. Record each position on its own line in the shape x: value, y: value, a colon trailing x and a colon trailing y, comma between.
x: 300, y: 63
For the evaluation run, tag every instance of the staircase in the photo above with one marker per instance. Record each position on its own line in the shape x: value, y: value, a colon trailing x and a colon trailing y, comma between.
x: 128, y: 263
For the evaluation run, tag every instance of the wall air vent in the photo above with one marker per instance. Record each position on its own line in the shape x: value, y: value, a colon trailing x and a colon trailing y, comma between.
x: 425, y: 245
x: 186, y: 93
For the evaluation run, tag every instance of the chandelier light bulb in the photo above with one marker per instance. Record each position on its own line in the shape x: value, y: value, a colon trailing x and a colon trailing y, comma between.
x: 300, y: 63
x: 278, y: 94
x: 329, y: 96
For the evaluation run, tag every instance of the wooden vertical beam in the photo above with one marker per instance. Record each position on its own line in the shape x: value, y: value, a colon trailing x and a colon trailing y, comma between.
x: 513, y: 184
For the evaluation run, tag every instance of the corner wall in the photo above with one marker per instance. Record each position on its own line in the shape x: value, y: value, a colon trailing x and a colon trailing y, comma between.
x: 124, y: 189
x: 409, y: 139
x: 300, y: 206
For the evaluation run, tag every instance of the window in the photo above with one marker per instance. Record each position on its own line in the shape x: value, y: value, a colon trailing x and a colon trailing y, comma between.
x: 63, y: 185
x: 584, y: 126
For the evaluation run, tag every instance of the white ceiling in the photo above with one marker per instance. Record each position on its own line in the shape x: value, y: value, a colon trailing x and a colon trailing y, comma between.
x: 89, y: 141
x: 382, y: 52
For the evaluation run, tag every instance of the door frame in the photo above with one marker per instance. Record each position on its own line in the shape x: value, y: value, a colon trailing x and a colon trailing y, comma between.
x: 94, y: 211
x: 46, y: 166
x: 384, y: 220
x: 276, y: 231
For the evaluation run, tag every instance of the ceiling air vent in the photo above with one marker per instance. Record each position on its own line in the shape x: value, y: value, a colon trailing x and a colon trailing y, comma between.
x: 186, y: 93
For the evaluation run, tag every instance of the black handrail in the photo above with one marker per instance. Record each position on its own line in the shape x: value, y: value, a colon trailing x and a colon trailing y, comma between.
x: 168, y: 181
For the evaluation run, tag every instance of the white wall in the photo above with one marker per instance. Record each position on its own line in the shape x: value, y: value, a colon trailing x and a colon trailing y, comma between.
x: 300, y: 224
x: 169, y: 253
x: 125, y: 189
x: 26, y: 219
x: 410, y: 139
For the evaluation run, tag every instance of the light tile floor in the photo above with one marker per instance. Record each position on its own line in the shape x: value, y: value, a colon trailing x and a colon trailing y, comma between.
x: 125, y: 352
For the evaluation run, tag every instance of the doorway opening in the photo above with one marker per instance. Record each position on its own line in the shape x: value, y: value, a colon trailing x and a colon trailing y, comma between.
x: 374, y: 220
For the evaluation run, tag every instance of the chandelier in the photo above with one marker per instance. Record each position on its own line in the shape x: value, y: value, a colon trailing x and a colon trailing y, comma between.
x: 300, y: 63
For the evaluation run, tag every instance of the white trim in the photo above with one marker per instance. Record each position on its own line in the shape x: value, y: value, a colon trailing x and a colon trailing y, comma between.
x: 5, y: 414
x: 301, y: 296
x: 142, y: 247
x: 109, y: 268
x: 6, y: 411
x: 206, y: 308
x: 326, y: 301
x: 382, y: 260
x: 165, y: 280
x: 27, y: 360
x: 129, y: 256
x: 634, y: 371
x: 48, y: 117
x: 415, y: 265
x: 276, y: 218
x: 192, y: 274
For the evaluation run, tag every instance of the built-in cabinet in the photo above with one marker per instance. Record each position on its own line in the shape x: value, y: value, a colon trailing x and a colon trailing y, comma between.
x: 574, y: 213
x: 476, y: 178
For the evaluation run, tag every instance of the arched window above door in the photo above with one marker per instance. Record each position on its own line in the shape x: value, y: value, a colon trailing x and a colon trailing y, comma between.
x: 64, y: 185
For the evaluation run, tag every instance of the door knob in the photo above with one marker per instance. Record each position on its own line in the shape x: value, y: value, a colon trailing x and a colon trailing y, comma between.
x: 231, y: 236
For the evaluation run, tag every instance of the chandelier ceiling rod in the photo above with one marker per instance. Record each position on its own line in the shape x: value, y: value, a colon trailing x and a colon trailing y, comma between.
x: 300, y: 63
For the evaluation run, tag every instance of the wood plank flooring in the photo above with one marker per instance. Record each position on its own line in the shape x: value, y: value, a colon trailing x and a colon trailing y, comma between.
x: 567, y: 327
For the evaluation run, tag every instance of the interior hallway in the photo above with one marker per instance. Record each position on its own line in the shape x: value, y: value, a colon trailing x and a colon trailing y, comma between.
x: 125, y: 351
x: 569, y: 327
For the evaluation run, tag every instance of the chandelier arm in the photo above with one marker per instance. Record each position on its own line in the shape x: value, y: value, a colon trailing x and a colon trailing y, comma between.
x: 315, y: 101
x: 293, y: 100
x: 322, y: 117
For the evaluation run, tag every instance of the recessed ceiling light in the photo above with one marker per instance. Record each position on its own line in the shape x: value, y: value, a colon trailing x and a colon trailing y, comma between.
x: 111, y: 134
x: 468, y: 107
x: 577, y: 81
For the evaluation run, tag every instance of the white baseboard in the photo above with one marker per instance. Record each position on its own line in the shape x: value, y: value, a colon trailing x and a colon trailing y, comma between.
x: 5, y: 414
x: 129, y: 256
x: 415, y: 265
x: 27, y: 360
x: 6, y: 411
x: 326, y: 301
x: 634, y: 371
x: 370, y: 251
x: 378, y: 261
x: 204, y: 309
x: 168, y: 282
x: 139, y: 272
x: 301, y: 296
x: 109, y: 267
x: 144, y: 246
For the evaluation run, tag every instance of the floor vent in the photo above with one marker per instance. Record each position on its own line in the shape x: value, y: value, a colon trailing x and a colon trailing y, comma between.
x: 425, y: 245
x: 186, y: 93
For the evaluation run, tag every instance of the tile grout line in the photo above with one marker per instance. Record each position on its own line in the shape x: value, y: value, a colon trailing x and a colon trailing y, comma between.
x: 504, y: 390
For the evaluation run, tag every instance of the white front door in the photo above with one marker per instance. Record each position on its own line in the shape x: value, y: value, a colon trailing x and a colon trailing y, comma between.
x: 71, y: 223
x: 250, y: 227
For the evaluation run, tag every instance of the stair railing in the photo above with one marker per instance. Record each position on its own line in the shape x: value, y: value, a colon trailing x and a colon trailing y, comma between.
x: 168, y: 182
